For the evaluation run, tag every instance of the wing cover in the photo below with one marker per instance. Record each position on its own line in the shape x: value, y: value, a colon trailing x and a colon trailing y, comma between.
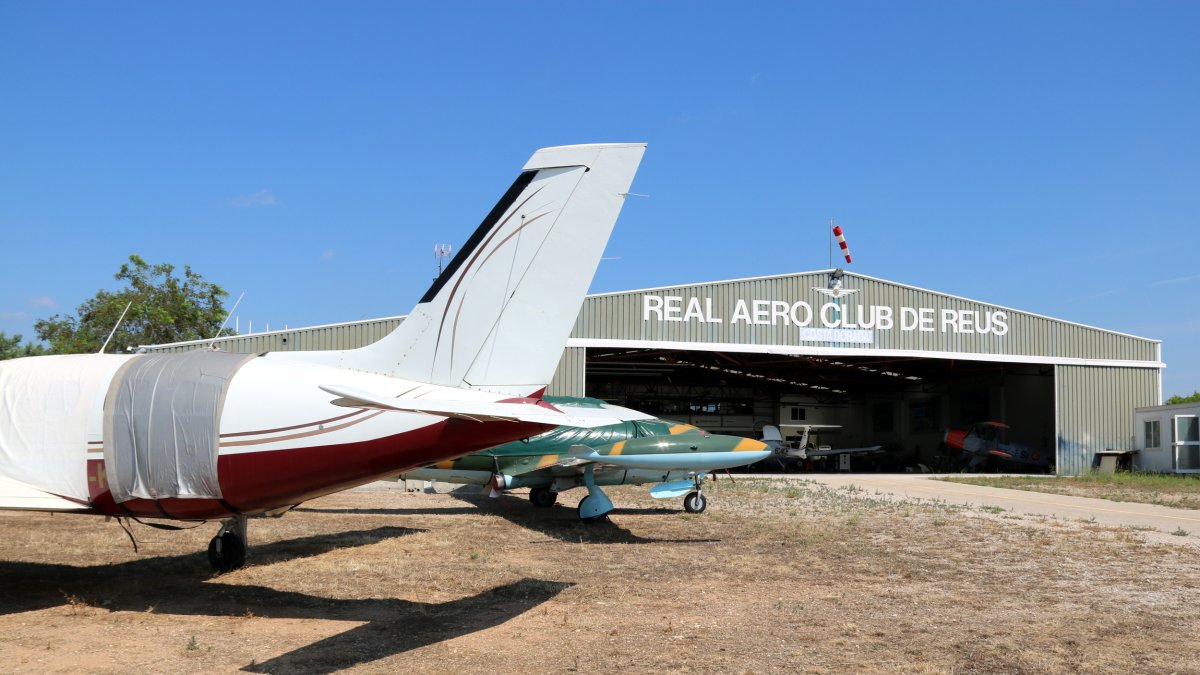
x: 17, y: 495
x: 45, y: 407
x: 162, y: 421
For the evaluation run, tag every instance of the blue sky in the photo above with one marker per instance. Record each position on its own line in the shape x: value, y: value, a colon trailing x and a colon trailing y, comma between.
x: 1038, y: 155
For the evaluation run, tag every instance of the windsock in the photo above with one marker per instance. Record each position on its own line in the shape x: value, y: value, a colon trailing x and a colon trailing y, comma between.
x: 837, y: 232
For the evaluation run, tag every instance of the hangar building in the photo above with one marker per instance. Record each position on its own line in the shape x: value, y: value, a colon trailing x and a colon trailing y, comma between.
x: 890, y: 364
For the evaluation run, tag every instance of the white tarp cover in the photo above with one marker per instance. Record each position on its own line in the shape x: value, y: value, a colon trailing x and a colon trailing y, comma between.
x: 45, y: 404
x: 162, y: 421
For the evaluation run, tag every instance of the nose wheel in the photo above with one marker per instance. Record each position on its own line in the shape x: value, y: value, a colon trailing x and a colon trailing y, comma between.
x: 695, y: 502
x: 227, y: 550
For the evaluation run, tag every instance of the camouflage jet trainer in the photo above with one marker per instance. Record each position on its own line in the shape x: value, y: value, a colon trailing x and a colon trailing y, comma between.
x: 634, y: 449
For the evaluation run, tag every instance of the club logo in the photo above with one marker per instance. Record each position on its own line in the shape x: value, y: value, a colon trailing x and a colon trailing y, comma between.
x: 835, y: 289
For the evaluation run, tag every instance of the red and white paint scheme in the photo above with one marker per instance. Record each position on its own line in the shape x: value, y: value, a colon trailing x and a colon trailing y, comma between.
x: 841, y: 239
x: 205, y: 434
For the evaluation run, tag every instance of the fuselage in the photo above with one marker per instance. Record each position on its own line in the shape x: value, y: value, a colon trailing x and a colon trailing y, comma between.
x: 281, y: 441
x: 635, y: 449
x: 973, y: 443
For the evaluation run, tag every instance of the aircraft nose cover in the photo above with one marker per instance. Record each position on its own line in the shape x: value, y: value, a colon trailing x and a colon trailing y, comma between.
x: 162, y: 419
x: 955, y: 438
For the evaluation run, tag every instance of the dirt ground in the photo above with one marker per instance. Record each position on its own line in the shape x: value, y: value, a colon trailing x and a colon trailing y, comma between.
x: 777, y: 576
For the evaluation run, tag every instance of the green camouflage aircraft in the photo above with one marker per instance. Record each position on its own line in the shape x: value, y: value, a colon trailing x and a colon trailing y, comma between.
x: 635, y: 448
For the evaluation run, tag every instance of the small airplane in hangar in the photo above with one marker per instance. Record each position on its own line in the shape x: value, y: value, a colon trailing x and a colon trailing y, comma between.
x: 987, y: 440
x: 626, y: 448
x: 207, y: 434
x: 792, y: 455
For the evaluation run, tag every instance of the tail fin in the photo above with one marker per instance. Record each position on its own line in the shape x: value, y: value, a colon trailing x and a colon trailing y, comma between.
x: 498, y: 317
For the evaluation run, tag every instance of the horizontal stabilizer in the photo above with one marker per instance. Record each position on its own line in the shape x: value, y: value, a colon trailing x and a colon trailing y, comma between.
x: 474, y: 411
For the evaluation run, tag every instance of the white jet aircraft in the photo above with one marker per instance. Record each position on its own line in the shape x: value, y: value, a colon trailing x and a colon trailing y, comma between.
x: 208, y: 434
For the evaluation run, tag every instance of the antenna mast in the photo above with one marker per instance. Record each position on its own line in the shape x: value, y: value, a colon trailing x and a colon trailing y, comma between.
x: 213, y: 341
x: 829, y: 246
x: 441, y: 252
x: 115, y: 327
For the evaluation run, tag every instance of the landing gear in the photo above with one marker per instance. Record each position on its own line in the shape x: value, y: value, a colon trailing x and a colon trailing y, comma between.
x: 583, y: 508
x: 595, y: 506
x: 542, y: 497
x: 695, y: 502
x: 227, y: 550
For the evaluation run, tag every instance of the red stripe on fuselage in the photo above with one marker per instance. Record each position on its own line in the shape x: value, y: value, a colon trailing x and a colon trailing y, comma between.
x: 259, y: 481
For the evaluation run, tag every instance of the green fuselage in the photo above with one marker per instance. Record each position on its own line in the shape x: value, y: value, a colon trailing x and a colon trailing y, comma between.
x: 638, y: 450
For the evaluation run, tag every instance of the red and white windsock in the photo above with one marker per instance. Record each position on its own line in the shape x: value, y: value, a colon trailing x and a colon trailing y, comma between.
x: 837, y: 232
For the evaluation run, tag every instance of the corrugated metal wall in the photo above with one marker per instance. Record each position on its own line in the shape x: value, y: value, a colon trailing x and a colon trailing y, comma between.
x: 622, y: 316
x: 571, y: 377
x: 1094, y: 410
x: 334, y: 336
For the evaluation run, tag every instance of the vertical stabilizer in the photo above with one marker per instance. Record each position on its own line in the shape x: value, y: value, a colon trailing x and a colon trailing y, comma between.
x: 498, y: 317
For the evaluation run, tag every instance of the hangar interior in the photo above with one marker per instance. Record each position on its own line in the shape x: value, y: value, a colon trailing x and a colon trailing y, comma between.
x: 903, y: 404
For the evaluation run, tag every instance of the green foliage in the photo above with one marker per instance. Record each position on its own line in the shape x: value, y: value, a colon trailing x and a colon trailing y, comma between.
x: 165, y: 308
x: 11, y: 347
x: 1194, y: 398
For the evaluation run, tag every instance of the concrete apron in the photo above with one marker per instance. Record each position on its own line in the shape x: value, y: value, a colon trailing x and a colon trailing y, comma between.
x: 1067, y: 508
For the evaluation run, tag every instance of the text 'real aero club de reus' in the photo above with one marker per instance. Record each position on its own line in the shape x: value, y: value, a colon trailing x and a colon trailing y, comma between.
x: 874, y: 362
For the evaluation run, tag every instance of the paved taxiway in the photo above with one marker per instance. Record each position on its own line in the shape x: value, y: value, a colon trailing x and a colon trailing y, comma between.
x: 1103, y: 511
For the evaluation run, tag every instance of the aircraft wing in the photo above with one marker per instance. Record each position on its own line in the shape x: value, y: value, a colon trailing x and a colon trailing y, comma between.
x: 845, y: 451
x: 17, y: 495
x: 474, y: 411
x: 557, y: 465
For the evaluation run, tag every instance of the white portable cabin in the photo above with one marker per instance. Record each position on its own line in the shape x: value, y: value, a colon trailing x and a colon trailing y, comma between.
x: 1168, y: 438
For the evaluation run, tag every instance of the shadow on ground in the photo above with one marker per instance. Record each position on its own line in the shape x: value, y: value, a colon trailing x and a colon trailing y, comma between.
x: 181, y: 585
x: 562, y: 522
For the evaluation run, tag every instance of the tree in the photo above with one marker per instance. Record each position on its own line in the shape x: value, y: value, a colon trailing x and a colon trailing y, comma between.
x: 11, y: 347
x: 1194, y: 398
x: 165, y: 308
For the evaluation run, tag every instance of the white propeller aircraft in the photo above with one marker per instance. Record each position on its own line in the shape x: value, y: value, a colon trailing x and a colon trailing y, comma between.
x: 208, y: 434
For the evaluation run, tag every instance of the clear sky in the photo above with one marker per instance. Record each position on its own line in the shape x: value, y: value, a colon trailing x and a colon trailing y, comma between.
x: 1038, y: 155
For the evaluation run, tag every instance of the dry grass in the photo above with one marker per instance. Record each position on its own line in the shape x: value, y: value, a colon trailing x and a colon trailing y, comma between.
x: 1175, y: 491
x: 775, y: 577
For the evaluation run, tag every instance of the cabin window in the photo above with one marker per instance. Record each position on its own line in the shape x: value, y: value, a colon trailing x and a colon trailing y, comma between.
x: 1153, y: 435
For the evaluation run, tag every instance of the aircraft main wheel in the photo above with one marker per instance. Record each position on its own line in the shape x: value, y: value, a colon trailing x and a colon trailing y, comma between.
x: 694, y: 502
x: 543, y: 497
x: 226, y: 552
x: 594, y: 519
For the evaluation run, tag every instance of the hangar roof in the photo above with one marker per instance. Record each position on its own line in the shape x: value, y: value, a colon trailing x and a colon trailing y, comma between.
x: 791, y: 314
x: 832, y: 312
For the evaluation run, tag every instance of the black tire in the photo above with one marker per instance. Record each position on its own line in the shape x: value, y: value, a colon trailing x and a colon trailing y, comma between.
x: 543, y: 498
x: 226, y: 552
x: 695, y: 502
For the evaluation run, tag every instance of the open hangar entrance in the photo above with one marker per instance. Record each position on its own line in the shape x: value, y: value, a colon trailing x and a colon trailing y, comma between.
x: 892, y: 364
x: 904, y: 404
